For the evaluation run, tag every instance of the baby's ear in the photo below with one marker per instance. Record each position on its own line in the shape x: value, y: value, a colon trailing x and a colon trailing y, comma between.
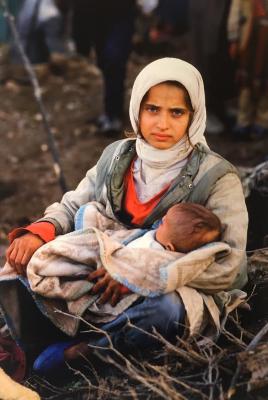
x: 169, y: 246
x: 199, y: 226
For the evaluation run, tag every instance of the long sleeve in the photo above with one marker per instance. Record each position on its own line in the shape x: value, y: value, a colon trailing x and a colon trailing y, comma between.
x: 61, y: 214
x: 45, y: 230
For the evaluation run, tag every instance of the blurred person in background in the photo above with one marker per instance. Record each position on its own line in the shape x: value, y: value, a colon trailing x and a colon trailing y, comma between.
x: 13, y: 6
x: 248, y: 38
x: 40, y: 28
x: 171, y: 18
x: 108, y: 26
x: 209, y: 46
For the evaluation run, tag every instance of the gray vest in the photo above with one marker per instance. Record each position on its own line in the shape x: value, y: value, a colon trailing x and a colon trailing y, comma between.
x: 181, y: 190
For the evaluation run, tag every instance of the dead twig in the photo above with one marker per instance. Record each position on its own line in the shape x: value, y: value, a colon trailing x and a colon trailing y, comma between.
x: 177, y: 381
x: 251, y: 346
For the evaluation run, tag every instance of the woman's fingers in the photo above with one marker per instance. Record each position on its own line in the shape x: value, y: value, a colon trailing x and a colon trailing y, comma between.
x: 21, y: 250
x: 19, y: 266
x: 116, y: 296
x: 102, y: 283
x: 97, y: 274
x: 111, y: 293
x: 106, y: 284
x: 25, y: 259
x: 11, y: 254
x: 16, y: 259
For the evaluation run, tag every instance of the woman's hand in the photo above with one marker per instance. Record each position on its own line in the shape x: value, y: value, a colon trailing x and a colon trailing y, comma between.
x: 112, y: 290
x: 21, y: 250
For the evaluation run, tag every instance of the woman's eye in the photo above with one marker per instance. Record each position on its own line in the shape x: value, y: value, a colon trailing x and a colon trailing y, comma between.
x: 178, y: 112
x: 151, y: 108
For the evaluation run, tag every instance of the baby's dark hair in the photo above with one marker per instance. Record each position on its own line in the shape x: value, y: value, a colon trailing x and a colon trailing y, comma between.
x: 193, y: 225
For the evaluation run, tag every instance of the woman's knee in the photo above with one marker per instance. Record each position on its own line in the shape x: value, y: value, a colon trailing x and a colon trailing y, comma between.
x: 166, y: 314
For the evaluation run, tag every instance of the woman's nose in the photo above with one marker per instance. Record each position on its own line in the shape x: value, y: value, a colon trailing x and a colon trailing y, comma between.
x: 162, y: 121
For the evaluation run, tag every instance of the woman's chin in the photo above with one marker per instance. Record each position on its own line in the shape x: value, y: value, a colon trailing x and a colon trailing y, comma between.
x: 161, y: 145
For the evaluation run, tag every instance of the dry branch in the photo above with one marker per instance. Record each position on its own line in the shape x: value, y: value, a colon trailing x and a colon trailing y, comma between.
x: 249, y: 348
x: 256, y: 362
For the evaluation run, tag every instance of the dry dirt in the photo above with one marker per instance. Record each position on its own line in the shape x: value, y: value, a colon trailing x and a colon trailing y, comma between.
x: 27, y: 180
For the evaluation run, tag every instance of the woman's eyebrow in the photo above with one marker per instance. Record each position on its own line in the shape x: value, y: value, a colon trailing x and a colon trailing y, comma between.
x: 173, y: 108
x: 151, y: 104
x: 178, y: 108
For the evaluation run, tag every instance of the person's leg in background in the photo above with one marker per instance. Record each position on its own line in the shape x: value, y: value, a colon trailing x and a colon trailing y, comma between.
x: 81, y: 27
x: 113, y: 45
x: 53, y: 33
x: 207, y: 21
x: 108, y: 27
x: 260, y: 126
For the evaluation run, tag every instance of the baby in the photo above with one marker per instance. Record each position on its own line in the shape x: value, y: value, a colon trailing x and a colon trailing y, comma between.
x: 185, y: 227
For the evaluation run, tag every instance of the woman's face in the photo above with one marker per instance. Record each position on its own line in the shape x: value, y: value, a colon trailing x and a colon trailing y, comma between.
x: 164, y: 116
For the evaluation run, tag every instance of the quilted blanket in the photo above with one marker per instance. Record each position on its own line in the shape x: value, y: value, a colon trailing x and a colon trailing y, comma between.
x: 57, y: 274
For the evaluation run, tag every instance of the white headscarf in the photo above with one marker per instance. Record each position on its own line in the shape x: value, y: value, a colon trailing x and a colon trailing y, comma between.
x: 169, y: 69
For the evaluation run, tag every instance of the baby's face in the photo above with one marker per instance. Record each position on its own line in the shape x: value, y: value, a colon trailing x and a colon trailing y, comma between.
x: 163, y: 232
x: 176, y: 227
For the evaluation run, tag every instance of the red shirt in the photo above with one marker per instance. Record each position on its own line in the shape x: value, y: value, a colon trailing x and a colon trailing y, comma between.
x: 137, y: 210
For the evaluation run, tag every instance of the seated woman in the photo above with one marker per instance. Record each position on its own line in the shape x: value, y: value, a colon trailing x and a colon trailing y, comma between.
x: 137, y: 180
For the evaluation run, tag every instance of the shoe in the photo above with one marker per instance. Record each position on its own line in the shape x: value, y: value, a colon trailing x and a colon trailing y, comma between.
x: 109, y: 125
x: 214, y: 125
x: 105, y: 124
x: 51, y: 360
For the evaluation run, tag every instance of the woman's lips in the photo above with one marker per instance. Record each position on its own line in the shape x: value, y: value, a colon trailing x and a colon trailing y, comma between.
x: 160, y: 136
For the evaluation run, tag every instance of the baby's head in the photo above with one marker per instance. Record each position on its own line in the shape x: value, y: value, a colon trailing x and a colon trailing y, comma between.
x: 187, y: 226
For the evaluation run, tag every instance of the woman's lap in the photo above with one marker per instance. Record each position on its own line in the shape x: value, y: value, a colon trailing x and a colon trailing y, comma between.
x: 130, y: 329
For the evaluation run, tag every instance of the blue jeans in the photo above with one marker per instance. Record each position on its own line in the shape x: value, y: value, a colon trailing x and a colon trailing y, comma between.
x: 36, y: 332
x: 164, y: 313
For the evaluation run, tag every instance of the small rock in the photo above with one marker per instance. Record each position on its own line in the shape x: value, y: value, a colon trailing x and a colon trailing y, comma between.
x: 38, y: 117
x: 12, y: 86
x: 44, y: 147
x: 71, y: 106
x: 13, y: 159
x: 10, y: 135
